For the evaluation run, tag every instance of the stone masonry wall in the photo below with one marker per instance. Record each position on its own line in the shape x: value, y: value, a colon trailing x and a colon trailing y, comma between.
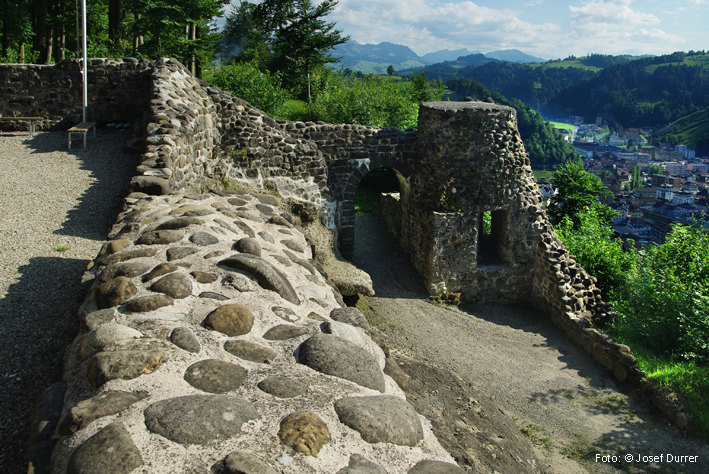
x: 118, y: 91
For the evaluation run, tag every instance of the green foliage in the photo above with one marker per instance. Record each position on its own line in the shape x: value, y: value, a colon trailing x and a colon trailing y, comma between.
x: 261, y: 89
x: 390, y: 70
x: 598, y: 251
x: 289, y: 37
x: 366, y: 102
x: 577, y: 192
x: 369, y: 192
x: 667, y: 308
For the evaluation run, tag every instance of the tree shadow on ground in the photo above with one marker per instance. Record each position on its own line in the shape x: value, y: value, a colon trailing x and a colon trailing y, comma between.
x: 111, y: 170
x: 44, y: 301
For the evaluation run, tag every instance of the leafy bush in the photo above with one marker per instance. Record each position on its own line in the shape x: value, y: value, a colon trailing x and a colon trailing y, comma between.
x: 598, y: 252
x: 667, y: 308
x: 366, y: 102
x: 261, y: 89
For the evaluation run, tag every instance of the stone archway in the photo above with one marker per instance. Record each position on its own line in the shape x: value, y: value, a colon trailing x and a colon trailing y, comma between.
x: 346, y: 222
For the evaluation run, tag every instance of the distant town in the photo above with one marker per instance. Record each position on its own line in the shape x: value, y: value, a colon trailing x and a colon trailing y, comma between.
x: 651, y: 184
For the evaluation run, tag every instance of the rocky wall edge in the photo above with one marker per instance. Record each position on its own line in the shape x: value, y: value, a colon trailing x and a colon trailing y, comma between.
x: 211, y: 341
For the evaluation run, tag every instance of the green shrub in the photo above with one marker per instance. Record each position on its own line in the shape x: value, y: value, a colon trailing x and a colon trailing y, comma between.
x: 260, y: 89
x: 366, y: 102
x: 667, y: 308
x: 598, y: 252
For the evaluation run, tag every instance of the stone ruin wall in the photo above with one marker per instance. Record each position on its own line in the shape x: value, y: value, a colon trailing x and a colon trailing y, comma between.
x: 197, y: 137
x: 118, y: 91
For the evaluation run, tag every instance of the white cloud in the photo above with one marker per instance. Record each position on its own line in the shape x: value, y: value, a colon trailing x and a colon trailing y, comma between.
x: 427, y: 25
x: 609, y: 15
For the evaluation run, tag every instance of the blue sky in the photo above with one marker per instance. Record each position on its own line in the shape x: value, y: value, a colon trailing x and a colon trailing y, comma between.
x: 546, y: 28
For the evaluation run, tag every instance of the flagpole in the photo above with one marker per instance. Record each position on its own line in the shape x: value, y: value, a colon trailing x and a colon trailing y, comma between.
x: 85, y: 71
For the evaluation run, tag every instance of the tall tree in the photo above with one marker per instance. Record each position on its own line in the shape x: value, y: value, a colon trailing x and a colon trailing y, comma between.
x: 297, y: 36
x: 577, y: 192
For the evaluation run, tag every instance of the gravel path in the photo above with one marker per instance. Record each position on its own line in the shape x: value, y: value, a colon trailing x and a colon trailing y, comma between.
x: 57, y: 207
x: 567, y: 404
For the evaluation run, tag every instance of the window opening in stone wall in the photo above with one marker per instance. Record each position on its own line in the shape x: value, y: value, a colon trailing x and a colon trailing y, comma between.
x: 493, y: 237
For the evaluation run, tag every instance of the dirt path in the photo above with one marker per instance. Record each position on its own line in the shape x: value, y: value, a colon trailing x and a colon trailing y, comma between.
x: 567, y: 404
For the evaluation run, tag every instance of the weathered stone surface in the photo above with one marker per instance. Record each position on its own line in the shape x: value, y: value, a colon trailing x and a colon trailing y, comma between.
x: 250, y: 351
x: 266, y: 235
x: 283, y: 332
x: 237, y: 201
x: 203, y: 239
x: 177, y: 253
x: 278, y: 220
x: 104, y: 404
x: 435, y: 467
x: 343, y: 331
x: 214, y: 296
x: 198, y: 419
x: 111, y: 450
x: 244, y: 228
x: 230, y: 319
x: 242, y: 462
x: 124, y: 269
x: 160, y: 270
x: 114, y: 292
x: 150, y: 185
x: 283, y: 260
x: 381, y: 419
x: 215, y: 376
x: 248, y: 245
x: 183, y: 338
x: 204, y: 277
x: 145, y: 304
x: 268, y: 199
x: 304, y: 432
x: 179, y: 223
x: 160, y: 237
x: 47, y: 411
x: 285, y: 314
x: 124, y: 365
x: 216, y: 253
x: 393, y: 370
x: 268, y: 276
x: 174, y: 285
x: 104, y: 335
x: 360, y: 465
x: 283, y: 387
x: 334, y: 356
x: 128, y: 255
x: 316, y: 317
x: 116, y: 246
x: 351, y: 316
x: 293, y: 245
x: 265, y: 209
x: 348, y: 279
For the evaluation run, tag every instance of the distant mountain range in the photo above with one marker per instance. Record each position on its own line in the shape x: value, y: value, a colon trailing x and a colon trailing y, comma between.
x: 376, y: 58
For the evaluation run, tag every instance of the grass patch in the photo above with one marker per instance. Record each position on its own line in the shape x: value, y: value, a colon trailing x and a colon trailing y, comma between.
x: 536, y: 435
x: 61, y: 248
x: 563, y: 126
x: 542, y: 174
x: 294, y: 110
x: 689, y: 379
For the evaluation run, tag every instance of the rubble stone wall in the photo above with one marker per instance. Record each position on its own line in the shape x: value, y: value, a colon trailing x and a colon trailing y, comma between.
x: 118, y: 91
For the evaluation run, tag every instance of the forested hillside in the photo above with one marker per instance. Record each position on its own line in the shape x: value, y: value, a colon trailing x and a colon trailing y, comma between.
x: 644, y: 92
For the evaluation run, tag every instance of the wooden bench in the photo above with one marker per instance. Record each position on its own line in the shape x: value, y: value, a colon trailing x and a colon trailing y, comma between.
x: 31, y: 120
x: 82, y: 128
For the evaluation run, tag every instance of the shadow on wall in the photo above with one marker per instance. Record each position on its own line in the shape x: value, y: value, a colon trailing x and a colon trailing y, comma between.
x: 40, y: 307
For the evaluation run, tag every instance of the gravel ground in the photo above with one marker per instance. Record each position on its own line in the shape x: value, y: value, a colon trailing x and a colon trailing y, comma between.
x: 57, y: 207
x: 568, y: 405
